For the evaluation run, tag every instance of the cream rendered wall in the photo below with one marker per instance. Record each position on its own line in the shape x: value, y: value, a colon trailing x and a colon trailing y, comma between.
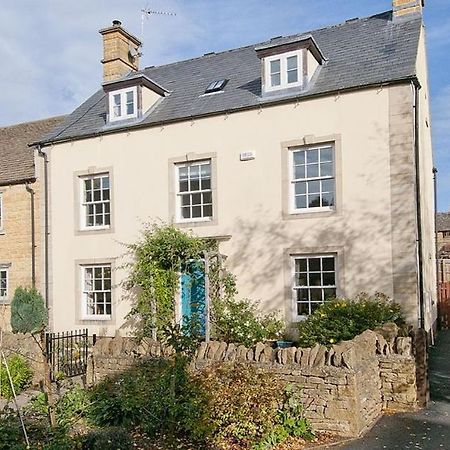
x: 249, y: 199
x: 427, y: 188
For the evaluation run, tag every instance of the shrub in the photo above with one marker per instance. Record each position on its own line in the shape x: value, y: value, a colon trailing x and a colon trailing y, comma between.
x: 343, y: 319
x: 111, y: 438
x: 28, y: 311
x: 11, y: 436
x: 72, y: 406
x: 243, y: 402
x: 238, y: 321
x: 21, y: 375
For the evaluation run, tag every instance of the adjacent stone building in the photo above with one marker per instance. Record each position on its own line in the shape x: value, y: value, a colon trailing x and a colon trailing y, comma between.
x: 20, y: 210
x: 443, y: 246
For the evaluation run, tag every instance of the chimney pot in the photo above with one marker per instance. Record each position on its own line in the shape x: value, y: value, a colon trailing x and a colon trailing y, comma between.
x: 117, y: 23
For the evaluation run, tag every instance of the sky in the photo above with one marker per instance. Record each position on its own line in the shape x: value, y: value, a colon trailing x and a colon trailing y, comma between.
x: 50, y: 50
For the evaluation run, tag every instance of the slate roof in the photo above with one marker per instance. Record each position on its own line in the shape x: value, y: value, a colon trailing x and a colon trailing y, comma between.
x: 16, y: 158
x: 443, y: 221
x: 360, y: 52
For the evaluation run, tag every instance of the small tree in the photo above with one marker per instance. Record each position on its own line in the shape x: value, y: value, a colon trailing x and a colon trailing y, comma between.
x: 30, y: 316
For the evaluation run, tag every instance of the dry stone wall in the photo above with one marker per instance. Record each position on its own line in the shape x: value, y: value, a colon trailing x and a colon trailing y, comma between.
x: 345, y: 387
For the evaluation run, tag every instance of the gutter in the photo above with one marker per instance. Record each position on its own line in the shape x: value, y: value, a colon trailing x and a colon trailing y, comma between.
x: 268, y: 103
x: 417, y: 87
x: 46, y: 224
x: 33, y: 235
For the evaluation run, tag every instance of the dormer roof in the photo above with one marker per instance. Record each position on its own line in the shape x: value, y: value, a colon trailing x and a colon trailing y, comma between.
x: 359, y: 53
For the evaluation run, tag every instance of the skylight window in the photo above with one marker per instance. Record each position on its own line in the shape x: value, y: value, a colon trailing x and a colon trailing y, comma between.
x: 216, y: 86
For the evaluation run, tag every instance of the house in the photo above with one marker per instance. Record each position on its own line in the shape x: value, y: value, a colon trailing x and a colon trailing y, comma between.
x: 443, y: 246
x: 21, y: 203
x: 308, y: 157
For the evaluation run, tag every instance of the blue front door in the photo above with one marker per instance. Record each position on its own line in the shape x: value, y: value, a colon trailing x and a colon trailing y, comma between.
x: 193, y: 294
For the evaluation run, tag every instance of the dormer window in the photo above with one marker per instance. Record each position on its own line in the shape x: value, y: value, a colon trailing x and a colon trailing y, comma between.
x: 132, y: 97
x: 289, y: 62
x: 123, y: 104
x: 283, y: 71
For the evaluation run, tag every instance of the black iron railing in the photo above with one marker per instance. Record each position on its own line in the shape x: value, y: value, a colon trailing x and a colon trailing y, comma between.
x: 67, y: 353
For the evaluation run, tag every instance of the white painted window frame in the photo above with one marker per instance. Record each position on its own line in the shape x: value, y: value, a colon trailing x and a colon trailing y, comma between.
x: 283, y: 57
x: 292, y: 181
x: 179, y: 194
x: 84, y: 204
x: 123, y: 102
x: 84, y: 293
x: 297, y: 317
x: 4, y: 298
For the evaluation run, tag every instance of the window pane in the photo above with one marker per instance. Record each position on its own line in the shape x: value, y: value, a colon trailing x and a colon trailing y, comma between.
x: 300, y: 187
x: 184, y: 186
x: 183, y: 173
x: 314, y: 306
x: 275, y: 66
x: 328, y: 279
x: 314, y: 264
x: 303, y: 309
x: 312, y: 156
x: 196, y: 199
x: 300, y: 265
x: 300, y: 201
x: 299, y: 157
x: 207, y: 211
x: 326, y: 169
x: 196, y: 211
x: 302, y: 295
x: 195, y: 185
x: 313, y: 201
x: 329, y: 293
x: 326, y: 154
x: 96, y: 183
x: 105, y: 182
x: 206, y: 183
x: 301, y: 279
x: 292, y: 76
x: 207, y: 197
x: 185, y: 200
x: 292, y: 62
x: 328, y: 263
x: 328, y: 186
x: 186, y: 212
x: 315, y: 279
x: 205, y: 170
x: 328, y: 199
x: 107, y: 272
x: 313, y: 187
x: 275, y: 79
x: 312, y: 171
x: 299, y: 172
x: 316, y: 294
x: 97, y: 196
x: 194, y: 171
x: 87, y: 184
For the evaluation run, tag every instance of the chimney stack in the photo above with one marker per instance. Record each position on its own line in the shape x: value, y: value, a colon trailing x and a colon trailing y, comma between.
x: 120, y: 52
x: 405, y: 8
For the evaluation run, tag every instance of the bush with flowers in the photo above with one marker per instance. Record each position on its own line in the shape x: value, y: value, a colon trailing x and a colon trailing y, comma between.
x: 343, y: 319
x: 240, y: 322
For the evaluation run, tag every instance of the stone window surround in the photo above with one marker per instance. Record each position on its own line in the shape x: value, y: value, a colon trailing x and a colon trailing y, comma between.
x: 191, y: 157
x: 298, y: 251
x: 79, y: 230
x: 79, y: 264
x: 310, y: 140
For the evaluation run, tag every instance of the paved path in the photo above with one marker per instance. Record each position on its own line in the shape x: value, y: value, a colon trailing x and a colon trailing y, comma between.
x: 428, y: 429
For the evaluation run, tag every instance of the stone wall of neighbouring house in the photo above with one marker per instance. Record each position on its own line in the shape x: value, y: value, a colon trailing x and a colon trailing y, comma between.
x: 345, y: 387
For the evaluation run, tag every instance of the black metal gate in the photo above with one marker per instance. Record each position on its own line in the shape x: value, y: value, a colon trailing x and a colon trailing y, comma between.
x: 67, y: 353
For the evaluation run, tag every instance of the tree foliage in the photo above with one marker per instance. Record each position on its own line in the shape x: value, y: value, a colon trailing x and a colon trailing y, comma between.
x: 28, y: 311
x: 158, y: 258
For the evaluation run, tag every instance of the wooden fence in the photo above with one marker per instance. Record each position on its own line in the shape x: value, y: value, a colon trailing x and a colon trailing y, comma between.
x: 444, y: 305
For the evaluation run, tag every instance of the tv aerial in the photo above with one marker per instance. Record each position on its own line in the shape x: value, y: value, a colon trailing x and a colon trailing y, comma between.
x: 146, y: 13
